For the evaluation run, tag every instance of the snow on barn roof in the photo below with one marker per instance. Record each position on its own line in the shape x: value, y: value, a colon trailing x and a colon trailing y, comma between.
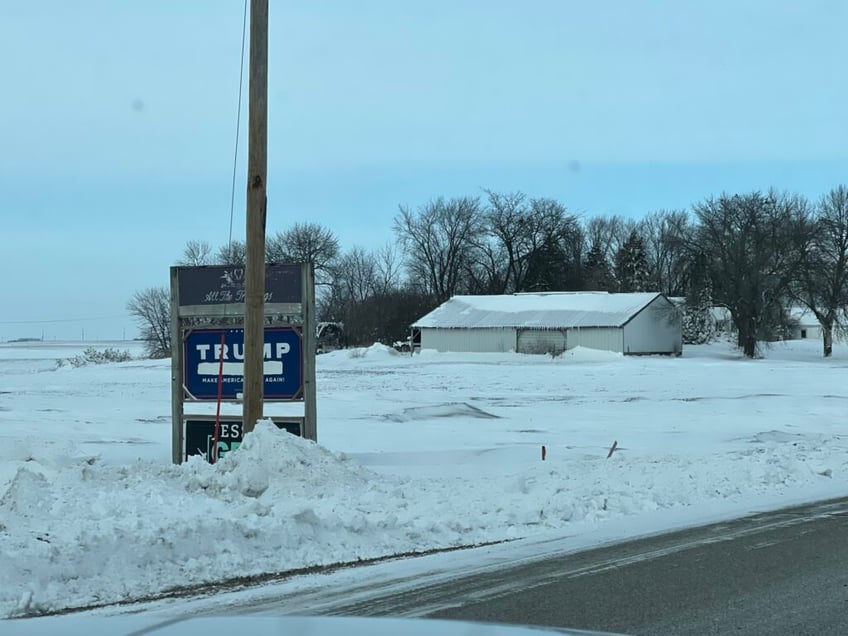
x: 552, y: 310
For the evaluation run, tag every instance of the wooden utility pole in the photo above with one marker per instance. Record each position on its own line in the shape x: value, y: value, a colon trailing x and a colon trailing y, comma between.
x: 257, y: 168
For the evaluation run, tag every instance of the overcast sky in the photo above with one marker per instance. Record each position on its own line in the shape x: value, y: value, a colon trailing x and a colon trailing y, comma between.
x: 117, y: 122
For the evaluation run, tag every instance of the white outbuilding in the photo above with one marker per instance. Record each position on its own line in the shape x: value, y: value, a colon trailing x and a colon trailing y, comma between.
x: 552, y: 322
x: 804, y: 324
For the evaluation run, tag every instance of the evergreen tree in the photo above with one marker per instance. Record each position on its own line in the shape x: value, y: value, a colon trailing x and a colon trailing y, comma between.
x: 597, y: 275
x: 698, y: 324
x: 546, y: 268
x: 631, y: 265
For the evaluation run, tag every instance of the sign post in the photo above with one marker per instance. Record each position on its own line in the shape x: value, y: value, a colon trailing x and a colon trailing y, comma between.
x: 209, y: 350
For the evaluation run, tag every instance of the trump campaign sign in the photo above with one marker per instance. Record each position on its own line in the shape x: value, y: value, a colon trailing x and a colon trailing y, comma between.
x: 214, y: 363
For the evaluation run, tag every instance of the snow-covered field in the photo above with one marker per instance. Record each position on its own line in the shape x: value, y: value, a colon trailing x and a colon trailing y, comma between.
x: 420, y: 452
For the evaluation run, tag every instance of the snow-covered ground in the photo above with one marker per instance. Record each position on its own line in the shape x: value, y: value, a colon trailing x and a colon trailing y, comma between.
x: 420, y: 452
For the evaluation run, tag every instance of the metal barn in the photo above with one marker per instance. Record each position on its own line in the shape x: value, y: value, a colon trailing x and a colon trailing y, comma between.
x: 553, y: 322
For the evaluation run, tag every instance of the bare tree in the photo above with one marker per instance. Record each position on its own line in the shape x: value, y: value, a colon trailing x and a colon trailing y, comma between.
x: 438, y: 239
x: 385, y: 317
x: 360, y: 276
x: 506, y: 220
x: 233, y: 253
x: 152, y: 309
x: 305, y: 243
x: 357, y: 275
x: 756, y: 244
x: 352, y: 281
x: 665, y: 235
x: 535, y: 239
x: 389, y: 262
x: 550, y: 236
x: 365, y: 295
x: 196, y: 253
x: 608, y: 234
x: 822, y: 284
x: 485, y: 269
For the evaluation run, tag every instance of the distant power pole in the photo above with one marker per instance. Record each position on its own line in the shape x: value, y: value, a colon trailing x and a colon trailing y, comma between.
x: 257, y: 169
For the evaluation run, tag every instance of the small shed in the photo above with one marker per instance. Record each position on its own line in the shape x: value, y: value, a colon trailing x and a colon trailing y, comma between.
x: 803, y: 324
x: 552, y: 322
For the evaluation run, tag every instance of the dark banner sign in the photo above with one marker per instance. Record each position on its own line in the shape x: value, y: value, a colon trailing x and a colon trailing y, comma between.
x: 222, y: 284
x: 203, y: 356
x: 200, y: 435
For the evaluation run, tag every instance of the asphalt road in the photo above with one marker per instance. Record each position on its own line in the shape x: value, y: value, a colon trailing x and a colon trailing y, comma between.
x: 783, y: 572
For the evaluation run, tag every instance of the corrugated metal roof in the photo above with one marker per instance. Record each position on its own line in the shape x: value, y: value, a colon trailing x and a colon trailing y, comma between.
x: 554, y: 310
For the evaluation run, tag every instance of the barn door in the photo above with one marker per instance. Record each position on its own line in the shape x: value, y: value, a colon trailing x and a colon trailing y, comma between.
x: 541, y: 341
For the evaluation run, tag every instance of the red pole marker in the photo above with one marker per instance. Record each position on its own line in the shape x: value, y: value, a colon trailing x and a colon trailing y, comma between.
x: 217, y: 434
x: 544, y: 452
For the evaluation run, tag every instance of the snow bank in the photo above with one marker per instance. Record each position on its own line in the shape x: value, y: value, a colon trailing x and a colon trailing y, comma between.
x: 77, y: 532
x: 585, y: 354
x: 376, y: 352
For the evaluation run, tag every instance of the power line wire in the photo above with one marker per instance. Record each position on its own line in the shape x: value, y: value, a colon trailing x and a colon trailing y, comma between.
x: 47, y: 322
x: 238, y: 123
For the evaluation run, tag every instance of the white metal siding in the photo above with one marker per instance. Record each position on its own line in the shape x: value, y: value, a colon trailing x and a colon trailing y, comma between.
x: 473, y: 340
x: 604, y: 338
x: 811, y: 332
x: 541, y: 341
x: 655, y: 329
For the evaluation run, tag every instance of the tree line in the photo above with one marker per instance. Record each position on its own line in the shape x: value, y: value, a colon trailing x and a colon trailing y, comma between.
x: 755, y: 254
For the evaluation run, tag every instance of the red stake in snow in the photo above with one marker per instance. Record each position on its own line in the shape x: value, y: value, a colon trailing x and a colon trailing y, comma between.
x: 544, y: 452
x: 217, y: 435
